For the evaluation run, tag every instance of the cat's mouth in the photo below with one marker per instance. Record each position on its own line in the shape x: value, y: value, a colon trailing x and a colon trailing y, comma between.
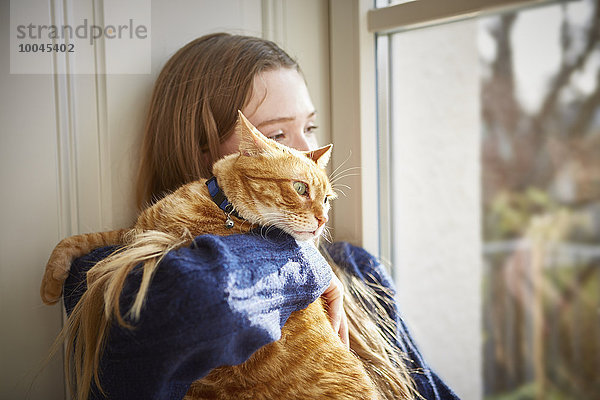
x: 305, y: 235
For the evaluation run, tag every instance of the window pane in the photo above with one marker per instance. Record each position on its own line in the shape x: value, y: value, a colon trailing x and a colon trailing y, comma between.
x: 541, y: 202
x: 495, y: 199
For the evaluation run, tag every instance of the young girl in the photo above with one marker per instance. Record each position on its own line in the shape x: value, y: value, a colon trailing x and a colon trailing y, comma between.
x: 190, y: 323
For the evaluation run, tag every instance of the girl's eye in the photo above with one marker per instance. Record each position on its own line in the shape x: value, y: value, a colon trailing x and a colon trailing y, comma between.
x: 325, y: 200
x: 301, y: 188
x: 277, y: 136
x: 310, y: 129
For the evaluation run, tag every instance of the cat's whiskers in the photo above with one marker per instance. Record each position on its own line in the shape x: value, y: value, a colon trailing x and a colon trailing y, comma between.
x: 344, y: 173
x: 286, y: 221
x: 342, y: 176
x: 339, y: 191
x: 333, y: 173
x: 243, y: 222
x: 341, y: 184
x: 336, y: 188
x: 279, y: 218
x: 271, y: 220
x: 336, y: 175
x: 326, y: 234
x: 264, y: 230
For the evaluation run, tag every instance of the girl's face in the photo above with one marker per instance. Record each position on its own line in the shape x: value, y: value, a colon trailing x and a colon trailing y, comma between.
x: 280, y: 108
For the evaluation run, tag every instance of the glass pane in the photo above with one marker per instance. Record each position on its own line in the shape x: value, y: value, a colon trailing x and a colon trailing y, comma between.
x: 541, y: 202
x: 495, y: 199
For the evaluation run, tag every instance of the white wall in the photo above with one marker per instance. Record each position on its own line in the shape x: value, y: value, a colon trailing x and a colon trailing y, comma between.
x: 435, y: 197
x: 29, y: 220
x: 68, y: 150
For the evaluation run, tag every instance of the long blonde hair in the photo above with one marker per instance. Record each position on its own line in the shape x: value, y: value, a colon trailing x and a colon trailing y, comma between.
x: 192, y: 111
x: 194, y: 108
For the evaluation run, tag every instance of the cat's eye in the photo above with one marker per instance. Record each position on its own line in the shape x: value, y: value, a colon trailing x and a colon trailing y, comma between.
x: 301, y: 188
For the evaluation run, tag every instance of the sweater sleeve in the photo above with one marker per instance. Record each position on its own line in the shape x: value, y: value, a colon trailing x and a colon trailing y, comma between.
x: 211, y: 304
x: 360, y: 263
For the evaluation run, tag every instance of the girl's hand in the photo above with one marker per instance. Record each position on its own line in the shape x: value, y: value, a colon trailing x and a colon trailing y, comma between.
x: 334, y: 297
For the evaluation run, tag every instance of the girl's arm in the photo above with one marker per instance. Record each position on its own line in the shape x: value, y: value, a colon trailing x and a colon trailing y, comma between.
x: 210, y: 304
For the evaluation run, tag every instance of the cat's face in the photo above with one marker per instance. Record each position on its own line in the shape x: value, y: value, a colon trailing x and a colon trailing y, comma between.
x: 291, y: 195
x: 272, y: 185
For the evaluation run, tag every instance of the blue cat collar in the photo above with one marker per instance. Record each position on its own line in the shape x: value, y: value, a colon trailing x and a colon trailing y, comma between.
x: 220, y: 199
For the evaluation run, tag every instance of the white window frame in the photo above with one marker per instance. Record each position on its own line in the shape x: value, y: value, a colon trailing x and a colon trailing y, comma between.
x: 360, y: 114
x: 359, y: 126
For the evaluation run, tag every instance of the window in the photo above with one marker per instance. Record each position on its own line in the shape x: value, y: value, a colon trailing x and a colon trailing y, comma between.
x: 540, y: 153
x: 490, y: 202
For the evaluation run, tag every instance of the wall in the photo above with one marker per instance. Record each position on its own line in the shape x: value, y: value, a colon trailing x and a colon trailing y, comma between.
x: 29, y: 221
x: 68, y: 150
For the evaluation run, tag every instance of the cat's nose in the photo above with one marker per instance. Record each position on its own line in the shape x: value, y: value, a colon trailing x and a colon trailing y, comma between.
x: 321, y: 220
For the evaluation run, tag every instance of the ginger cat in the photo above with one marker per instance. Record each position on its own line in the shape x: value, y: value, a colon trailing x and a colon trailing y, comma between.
x: 268, y: 185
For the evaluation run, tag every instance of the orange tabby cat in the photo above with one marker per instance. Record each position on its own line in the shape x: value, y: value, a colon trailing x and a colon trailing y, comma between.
x: 270, y: 185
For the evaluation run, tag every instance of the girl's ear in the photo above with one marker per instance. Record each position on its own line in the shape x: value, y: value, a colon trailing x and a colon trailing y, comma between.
x: 321, y: 155
x: 252, y: 142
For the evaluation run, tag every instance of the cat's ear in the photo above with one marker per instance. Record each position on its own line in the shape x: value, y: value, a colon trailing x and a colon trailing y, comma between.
x: 252, y: 142
x: 321, y: 155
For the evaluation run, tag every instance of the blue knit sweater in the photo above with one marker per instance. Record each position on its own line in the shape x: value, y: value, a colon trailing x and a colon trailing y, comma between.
x: 215, y: 303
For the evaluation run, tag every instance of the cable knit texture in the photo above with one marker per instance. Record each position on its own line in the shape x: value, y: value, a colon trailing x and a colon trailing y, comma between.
x: 215, y: 303
x: 210, y: 304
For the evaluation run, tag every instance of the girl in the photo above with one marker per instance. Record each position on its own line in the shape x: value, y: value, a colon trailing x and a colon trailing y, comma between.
x: 190, y: 323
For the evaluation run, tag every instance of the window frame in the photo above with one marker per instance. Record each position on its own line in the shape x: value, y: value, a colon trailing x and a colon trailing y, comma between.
x: 359, y: 112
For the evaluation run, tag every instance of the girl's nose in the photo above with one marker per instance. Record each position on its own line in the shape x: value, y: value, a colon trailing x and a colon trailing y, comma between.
x: 300, y: 142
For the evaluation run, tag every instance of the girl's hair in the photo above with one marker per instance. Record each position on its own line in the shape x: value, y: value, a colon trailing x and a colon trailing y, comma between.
x: 194, y: 108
